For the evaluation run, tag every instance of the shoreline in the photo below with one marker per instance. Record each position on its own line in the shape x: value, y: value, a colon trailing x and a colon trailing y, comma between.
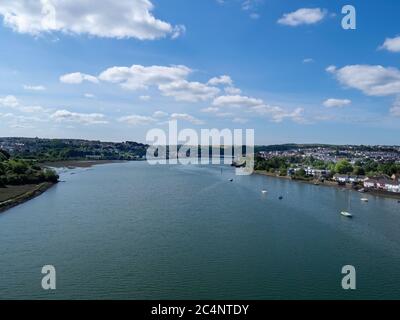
x: 24, y: 197
x: 39, y: 189
x: 376, y: 193
x: 73, y: 164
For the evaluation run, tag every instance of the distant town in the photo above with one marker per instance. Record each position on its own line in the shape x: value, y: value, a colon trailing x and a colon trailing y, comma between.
x: 365, y: 168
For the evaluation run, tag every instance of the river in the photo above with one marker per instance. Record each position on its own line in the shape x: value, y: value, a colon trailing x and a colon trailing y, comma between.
x: 134, y: 231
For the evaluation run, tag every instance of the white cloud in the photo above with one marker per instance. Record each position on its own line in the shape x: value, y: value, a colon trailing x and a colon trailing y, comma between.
x: 391, y: 44
x: 160, y: 114
x: 210, y: 110
x: 89, y: 95
x: 84, y: 118
x: 308, y: 60
x: 259, y: 107
x: 12, y: 102
x: 278, y: 114
x: 141, y: 77
x: 34, y: 88
x: 171, y: 81
x: 336, y: 103
x: 106, y: 18
x: 331, y: 69
x: 372, y: 80
x: 136, y: 120
x: 236, y: 101
x: 303, y: 16
x: 77, y: 78
x: 222, y: 80
x: 9, y: 101
x: 188, y: 91
x: 233, y: 91
x: 186, y: 117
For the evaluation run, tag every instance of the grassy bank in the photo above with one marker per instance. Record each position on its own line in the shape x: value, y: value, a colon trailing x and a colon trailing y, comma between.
x: 11, y: 196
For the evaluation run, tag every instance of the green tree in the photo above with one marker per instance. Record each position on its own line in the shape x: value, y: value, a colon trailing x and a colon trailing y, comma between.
x: 343, y: 167
x: 359, y: 171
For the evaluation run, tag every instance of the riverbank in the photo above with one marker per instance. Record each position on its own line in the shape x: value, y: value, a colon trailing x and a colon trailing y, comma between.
x: 11, y: 196
x: 72, y: 164
x: 377, y: 193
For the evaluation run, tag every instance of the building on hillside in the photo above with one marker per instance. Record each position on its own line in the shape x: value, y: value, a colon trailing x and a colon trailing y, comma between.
x: 370, y: 183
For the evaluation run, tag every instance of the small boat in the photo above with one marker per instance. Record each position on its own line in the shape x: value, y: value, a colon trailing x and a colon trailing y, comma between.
x: 264, y: 191
x: 280, y: 198
x: 364, y: 200
x: 362, y: 190
x: 346, y: 214
x: 231, y: 180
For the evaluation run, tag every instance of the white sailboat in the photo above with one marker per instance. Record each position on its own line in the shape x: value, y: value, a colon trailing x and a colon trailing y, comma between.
x: 347, y: 213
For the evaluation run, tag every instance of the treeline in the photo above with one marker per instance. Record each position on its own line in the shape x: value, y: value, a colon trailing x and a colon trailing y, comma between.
x: 19, y: 172
x: 368, y: 167
x: 70, y: 149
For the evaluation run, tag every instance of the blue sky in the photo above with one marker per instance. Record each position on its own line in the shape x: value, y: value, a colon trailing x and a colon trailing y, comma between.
x: 113, y: 70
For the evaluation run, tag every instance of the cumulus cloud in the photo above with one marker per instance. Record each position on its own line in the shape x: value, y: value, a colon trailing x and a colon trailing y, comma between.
x: 391, y: 44
x: 259, y: 107
x: 171, y: 81
x: 106, y: 18
x: 141, y: 77
x: 78, y: 78
x: 9, y: 101
x: 372, y: 80
x: 84, y: 118
x: 186, y: 117
x: 188, y: 91
x: 278, y: 114
x: 12, y: 102
x: 236, y: 101
x: 222, y: 80
x: 336, y: 103
x: 303, y: 16
x: 160, y: 114
x: 136, y: 120
x: 34, y: 88
x: 233, y: 90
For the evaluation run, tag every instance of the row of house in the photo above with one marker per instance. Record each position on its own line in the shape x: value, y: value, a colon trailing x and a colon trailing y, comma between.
x: 310, y: 172
x: 346, y: 178
x: 382, y: 182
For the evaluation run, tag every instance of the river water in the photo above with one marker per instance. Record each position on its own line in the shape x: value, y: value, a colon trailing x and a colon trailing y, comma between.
x: 134, y: 231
